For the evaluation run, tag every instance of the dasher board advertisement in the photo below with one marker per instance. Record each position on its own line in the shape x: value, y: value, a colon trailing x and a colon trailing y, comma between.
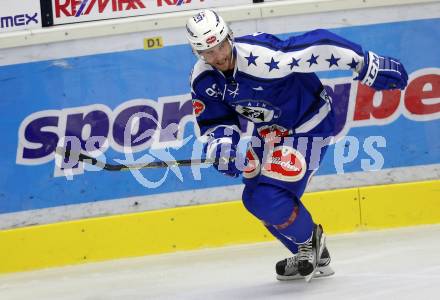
x: 96, y: 95
x: 74, y: 11
x: 19, y: 15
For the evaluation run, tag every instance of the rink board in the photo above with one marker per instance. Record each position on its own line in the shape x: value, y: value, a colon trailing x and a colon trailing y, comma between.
x: 102, y: 86
x: 211, y: 225
x: 105, y: 75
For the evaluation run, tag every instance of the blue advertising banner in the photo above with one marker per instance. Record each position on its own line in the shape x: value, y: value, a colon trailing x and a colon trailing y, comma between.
x: 99, y: 95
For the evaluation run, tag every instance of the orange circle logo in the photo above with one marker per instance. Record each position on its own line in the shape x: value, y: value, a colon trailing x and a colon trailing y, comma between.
x: 285, y: 163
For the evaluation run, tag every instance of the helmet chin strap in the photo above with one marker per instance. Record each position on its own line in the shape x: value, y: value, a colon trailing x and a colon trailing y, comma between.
x: 196, y: 53
x: 232, y: 51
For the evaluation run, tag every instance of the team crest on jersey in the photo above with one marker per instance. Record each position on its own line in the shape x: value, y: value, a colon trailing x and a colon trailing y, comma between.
x: 285, y: 163
x: 257, y: 111
x: 252, y: 167
x: 198, y: 107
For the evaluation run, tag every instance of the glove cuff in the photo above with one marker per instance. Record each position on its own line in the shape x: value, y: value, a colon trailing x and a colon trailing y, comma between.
x: 371, y: 68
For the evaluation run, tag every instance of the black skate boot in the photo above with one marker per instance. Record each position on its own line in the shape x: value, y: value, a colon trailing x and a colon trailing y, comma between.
x: 308, y: 253
x: 287, y: 269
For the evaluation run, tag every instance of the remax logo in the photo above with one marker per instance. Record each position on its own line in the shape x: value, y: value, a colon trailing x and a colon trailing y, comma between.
x: 77, y: 8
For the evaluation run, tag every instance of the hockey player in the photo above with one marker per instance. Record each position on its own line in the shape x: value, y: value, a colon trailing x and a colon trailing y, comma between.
x: 272, y: 83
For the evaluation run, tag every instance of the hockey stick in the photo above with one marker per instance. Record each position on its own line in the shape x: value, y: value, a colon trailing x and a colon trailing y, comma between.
x: 66, y: 153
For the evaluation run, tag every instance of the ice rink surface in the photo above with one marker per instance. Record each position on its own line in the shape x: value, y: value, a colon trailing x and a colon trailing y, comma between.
x: 390, y: 264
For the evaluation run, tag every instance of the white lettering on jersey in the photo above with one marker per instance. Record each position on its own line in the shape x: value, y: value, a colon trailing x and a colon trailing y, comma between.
x: 214, y: 91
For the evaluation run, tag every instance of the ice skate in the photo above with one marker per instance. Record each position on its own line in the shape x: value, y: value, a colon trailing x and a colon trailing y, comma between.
x: 308, y: 253
x: 287, y: 269
x: 307, y: 262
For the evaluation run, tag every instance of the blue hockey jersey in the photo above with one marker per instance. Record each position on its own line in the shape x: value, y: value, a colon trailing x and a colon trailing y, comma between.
x: 273, y: 82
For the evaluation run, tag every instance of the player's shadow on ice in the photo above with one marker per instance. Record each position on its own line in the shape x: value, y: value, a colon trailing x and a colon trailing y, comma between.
x: 294, y: 289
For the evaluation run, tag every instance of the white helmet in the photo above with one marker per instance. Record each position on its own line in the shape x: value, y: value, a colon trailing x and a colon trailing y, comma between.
x: 206, y: 30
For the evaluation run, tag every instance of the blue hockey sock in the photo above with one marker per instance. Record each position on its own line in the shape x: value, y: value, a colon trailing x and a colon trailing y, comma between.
x: 301, y: 229
x: 285, y: 215
x: 286, y: 242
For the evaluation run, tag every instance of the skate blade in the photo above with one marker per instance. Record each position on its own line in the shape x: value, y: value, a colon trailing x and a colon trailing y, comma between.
x: 324, y: 272
x: 320, y: 272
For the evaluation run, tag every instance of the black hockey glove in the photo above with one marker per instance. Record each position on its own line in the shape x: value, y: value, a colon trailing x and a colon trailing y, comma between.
x: 382, y: 73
